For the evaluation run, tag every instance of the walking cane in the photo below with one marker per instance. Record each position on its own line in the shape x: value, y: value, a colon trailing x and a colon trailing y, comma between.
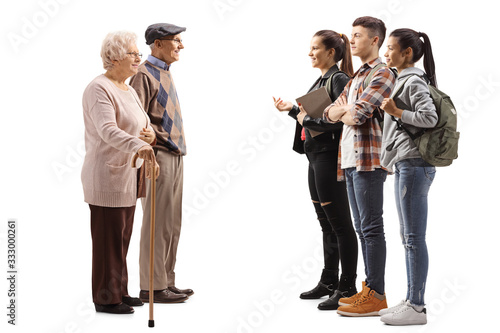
x: 151, y: 322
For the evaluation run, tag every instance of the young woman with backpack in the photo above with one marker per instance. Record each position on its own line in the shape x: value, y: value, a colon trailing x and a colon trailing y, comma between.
x: 413, y: 107
x: 329, y: 196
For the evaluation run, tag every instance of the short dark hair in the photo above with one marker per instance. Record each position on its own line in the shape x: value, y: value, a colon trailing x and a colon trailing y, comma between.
x: 376, y: 26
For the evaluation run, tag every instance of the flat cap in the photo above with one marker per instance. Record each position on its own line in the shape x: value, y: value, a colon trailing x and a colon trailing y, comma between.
x: 160, y: 30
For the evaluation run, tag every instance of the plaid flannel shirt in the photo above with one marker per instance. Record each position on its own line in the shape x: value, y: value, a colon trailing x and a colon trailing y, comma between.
x: 368, y: 133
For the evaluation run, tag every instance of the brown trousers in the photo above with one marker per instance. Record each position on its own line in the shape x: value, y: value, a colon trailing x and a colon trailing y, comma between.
x: 111, y: 229
x: 168, y: 216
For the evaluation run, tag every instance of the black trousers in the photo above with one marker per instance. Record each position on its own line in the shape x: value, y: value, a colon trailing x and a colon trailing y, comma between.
x: 111, y: 230
x: 339, y: 238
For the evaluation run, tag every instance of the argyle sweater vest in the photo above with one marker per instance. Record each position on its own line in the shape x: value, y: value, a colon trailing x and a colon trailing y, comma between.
x: 156, y: 90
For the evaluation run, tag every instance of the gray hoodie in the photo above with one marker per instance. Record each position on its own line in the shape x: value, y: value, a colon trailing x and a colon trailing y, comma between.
x: 422, y: 114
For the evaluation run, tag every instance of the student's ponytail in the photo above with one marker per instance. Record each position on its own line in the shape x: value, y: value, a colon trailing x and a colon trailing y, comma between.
x: 410, y: 38
x: 346, y: 65
x: 429, y: 66
x: 340, y: 43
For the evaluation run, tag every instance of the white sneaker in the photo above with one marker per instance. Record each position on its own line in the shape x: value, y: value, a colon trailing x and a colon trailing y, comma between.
x: 393, y: 309
x: 405, y: 315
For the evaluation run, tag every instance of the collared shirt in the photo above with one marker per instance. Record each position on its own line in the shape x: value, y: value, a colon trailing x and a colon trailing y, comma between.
x: 348, y: 159
x: 158, y: 63
x: 367, y: 132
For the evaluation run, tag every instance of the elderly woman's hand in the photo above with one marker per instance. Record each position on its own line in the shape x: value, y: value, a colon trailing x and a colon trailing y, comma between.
x: 147, y: 135
x: 146, y: 153
x: 148, y: 169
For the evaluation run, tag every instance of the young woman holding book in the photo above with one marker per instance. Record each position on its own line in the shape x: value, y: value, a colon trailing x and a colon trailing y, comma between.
x: 329, y: 196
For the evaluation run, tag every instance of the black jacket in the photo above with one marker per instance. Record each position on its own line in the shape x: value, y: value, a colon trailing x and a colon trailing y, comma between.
x: 329, y: 139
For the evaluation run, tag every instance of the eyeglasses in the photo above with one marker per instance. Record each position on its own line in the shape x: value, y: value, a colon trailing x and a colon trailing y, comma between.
x: 135, y: 54
x: 177, y: 40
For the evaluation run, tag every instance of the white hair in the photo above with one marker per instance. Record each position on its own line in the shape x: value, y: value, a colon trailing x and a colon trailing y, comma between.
x: 115, y: 47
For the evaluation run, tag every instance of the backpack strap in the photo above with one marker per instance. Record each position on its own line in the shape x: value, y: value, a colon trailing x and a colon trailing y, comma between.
x: 369, y: 78
x: 398, y: 91
x: 400, y: 124
x: 329, y: 84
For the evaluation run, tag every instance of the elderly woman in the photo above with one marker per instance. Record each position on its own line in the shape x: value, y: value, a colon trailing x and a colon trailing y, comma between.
x: 116, y: 128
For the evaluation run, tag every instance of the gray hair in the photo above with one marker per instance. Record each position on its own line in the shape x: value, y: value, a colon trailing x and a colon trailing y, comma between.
x: 115, y: 47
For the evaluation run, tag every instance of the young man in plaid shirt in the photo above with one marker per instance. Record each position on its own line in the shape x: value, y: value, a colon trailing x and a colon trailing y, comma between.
x: 359, y: 159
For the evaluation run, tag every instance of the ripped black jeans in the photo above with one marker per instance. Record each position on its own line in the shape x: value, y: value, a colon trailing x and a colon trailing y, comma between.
x: 332, y: 208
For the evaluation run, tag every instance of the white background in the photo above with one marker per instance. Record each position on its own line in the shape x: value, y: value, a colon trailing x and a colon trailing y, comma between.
x: 250, y: 242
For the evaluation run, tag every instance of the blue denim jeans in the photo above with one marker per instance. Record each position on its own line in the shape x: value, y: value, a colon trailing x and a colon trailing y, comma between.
x: 366, y: 197
x: 412, y: 183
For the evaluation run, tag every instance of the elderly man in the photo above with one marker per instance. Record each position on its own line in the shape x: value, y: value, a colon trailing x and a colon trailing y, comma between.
x: 158, y: 95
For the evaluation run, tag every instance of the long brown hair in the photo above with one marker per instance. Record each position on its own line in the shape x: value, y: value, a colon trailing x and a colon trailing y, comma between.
x: 340, y: 43
x: 410, y: 38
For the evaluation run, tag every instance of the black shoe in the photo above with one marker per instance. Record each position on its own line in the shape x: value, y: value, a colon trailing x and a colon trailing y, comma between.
x: 132, y: 301
x: 333, y: 302
x: 163, y: 296
x: 319, y: 291
x: 121, y: 308
x: 178, y: 291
